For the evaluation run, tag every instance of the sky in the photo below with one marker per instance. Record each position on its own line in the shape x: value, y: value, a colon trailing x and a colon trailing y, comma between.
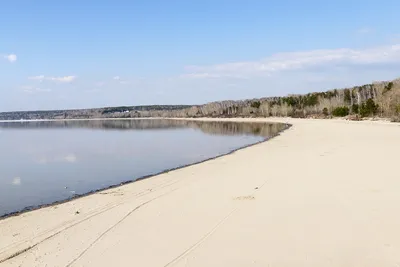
x: 84, y: 54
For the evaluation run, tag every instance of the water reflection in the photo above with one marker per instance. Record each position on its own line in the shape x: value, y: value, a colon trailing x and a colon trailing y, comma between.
x: 46, y: 161
x: 16, y: 181
x: 209, y: 127
x: 70, y: 158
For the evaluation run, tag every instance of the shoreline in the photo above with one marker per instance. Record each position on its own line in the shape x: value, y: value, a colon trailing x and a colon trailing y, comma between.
x: 322, y: 193
x: 38, y: 207
x: 237, y: 119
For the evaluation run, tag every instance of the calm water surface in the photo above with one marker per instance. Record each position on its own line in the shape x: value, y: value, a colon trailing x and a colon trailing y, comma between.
x: 44, y: 162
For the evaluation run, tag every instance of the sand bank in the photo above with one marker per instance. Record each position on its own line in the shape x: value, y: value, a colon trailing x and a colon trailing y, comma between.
x: 323, y: 193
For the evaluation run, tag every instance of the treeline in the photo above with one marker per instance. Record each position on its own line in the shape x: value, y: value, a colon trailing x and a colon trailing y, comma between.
x: 106, y: 112
x: 127, y: 109
x: 378, y: 99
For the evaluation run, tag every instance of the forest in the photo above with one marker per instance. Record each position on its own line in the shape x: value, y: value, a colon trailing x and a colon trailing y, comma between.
x: 380, y: 99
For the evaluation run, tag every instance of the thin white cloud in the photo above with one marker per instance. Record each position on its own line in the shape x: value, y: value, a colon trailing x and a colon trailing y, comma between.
x: 299, y: 61
x: 16, y: 181
x: 37, y: 78
x: 11, y: 57
x: 33, y: 89
x: 120, y: 81
x: 65, y: 79
x: 62, y: 79
x: 71, y: 158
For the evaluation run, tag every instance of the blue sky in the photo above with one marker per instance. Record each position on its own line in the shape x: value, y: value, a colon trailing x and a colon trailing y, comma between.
x: 81, y: 54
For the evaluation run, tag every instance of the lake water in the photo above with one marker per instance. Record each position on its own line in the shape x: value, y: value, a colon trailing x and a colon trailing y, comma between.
x: 44, y: 162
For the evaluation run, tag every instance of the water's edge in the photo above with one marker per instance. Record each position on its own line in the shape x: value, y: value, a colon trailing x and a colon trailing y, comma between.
x: 32, y: 208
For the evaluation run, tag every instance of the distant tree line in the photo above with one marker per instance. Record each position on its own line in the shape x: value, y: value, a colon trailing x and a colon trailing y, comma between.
x: 378, y: 99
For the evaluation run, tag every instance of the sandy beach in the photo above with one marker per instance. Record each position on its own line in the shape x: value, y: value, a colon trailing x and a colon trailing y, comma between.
x: 323, y: 193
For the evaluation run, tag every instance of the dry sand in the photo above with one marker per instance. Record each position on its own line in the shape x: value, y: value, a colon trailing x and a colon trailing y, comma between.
x: 323, y: 193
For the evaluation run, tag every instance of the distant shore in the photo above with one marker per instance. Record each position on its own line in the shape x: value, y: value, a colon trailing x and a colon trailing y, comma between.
x: 323, y: 193
x: 90, y: 119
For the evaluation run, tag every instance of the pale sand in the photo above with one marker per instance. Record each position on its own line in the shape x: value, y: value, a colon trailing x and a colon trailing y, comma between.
x: 328, y: 195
